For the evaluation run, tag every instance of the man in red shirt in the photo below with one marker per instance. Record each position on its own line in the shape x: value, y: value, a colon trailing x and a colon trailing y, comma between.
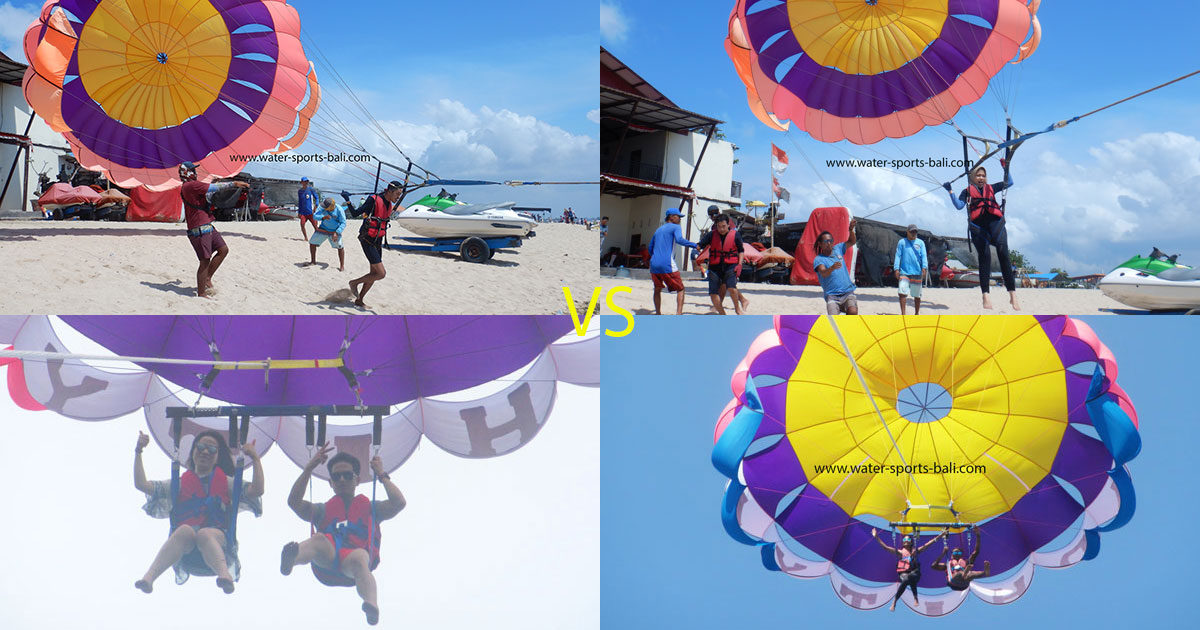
x: 210, y: 248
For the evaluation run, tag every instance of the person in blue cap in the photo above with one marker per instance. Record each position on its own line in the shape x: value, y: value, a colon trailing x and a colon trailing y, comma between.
x: 911, y: 265
x: 306, y: 205
x: 663, y: 270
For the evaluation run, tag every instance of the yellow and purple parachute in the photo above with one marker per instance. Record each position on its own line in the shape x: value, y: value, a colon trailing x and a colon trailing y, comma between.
x: 831, y: 425
x: 138, y: 87
x: 283, y: 371
x: 866, y: 70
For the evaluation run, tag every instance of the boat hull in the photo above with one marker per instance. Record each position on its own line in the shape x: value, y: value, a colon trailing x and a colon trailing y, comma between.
x: 1138, y: 289
x: 486, y: 224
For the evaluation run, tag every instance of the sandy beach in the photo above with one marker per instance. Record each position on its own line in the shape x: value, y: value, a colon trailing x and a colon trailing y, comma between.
x: 148, y: 268
x: 775, y: 299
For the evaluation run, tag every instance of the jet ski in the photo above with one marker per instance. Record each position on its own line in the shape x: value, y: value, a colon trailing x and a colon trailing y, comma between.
x: 1154, y: 282
x: 443, y: 216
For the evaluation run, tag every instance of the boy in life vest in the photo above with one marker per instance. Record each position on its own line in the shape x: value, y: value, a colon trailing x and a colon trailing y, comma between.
x: 985, y: 220
x: 724, y: 261
x: 376, y: 211
x: 344, y: 549
x: 210, y: 248
x: 200, y: 511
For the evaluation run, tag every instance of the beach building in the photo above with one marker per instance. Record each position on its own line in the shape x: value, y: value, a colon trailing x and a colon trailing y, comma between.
x: 28, y: 147
x: 655, y: 155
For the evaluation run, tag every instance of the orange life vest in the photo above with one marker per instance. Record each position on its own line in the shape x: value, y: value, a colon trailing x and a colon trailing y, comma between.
x: 981, y: 201
x: 375, y: 224
x: 353, y: 528
x: 199, y: 506
x: 723, y: 250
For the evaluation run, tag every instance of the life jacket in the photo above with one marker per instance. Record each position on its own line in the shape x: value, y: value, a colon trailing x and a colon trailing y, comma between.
x: 199, y: 506
x: 351, y: 530
x: 375, y: 224
x: 983, y: 201
x: 904, y: 564
x: 723, y: 250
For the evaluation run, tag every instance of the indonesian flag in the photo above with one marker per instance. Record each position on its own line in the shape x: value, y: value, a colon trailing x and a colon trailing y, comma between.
x: 781, y: 193
x: 779, y: 160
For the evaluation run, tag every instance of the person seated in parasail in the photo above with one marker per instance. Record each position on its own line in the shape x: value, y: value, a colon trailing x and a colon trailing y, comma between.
x: 344, y: 550
x: 908, y: 568
x: 200, y: 508
x: 959, y: 571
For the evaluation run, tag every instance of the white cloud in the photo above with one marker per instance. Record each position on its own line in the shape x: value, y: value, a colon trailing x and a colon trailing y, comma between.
x: 1085, y: 212
x: 13, y: 22
x: 457, y: 142
x: 594, y: 115
x: 614, y: 25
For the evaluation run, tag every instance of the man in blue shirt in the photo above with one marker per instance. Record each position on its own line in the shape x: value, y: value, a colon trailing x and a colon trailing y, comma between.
x: 304, y: 208
x: 663, y: 270
x: 831, y: 272
x: 333, y: 222
x: 911, y: 265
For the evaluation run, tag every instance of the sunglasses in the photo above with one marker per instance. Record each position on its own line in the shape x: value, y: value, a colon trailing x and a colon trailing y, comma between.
x: 345, y: 475
x: 206, y: 448
x: 826, y: 240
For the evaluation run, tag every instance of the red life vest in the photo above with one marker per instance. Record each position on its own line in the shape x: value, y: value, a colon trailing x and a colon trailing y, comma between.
x: 350, y: 529
x: 983, y: 201
x: 723, y: 250
x: 198, y: 506
x: 375, y: 224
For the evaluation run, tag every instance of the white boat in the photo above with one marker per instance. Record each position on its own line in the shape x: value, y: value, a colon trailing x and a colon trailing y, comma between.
x: 1169, y: 289
x: 440, y: 216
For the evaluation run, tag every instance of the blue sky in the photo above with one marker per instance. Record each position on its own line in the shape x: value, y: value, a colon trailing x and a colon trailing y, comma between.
x: 470, y: 90
x: 1088, y: 196
x: 667, y: 562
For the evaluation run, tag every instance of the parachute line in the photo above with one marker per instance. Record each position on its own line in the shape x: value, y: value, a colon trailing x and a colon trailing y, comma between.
x: 867, y: 390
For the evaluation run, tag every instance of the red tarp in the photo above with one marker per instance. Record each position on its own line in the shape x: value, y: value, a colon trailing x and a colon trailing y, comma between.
x: 61, y: 195
x: 834, y: 220
x: 146, y: 205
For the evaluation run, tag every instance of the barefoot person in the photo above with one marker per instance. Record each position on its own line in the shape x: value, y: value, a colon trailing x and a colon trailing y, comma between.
x: 836, y: 284
x: 724, y: 261
x: 908, y: 567
x: 376, y: 211
x: 345, y: 549
x: 911, y: 265
x: 663, y: 269
x: 200, y: 511
x: 333, y: 222
x: 985, y: 219
x: 305, y: 205
x: 958, y: 571
x: 210, y: 248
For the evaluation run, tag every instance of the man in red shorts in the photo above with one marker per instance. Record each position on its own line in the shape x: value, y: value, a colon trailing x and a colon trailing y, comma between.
x: 662, y: 260
x: 210, y: 248
x: 345, y: 548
